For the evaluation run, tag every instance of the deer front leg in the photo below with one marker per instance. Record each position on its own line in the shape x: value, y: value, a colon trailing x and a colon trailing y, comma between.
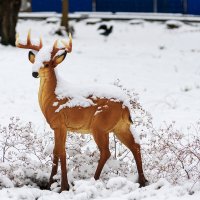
x: 54, y: 167
x: 60, y: 153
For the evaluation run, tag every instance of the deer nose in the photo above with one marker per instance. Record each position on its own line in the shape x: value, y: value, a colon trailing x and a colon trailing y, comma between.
x: 35, y: 74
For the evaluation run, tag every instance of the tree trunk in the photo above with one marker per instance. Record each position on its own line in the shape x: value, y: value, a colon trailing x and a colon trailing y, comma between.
x: 1, y: 10
x: 65, y: 10
x: 9, y: 17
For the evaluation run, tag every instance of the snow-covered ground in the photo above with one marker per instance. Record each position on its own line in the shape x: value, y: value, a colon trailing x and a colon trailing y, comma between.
x: 116, y: 189
x: 162, y: 65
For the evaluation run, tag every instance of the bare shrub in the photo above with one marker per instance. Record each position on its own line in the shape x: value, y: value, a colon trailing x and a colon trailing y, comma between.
x: 22, y: 155
x: 141, y: 118
x: 25, y: 154
x: 173, y: 155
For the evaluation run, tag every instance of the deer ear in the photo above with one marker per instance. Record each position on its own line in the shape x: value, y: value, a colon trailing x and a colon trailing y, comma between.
x: 31, y: 56
x: 60, y: 58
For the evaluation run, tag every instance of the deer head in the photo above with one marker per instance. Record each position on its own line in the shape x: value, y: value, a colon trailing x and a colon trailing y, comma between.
x: 45, y: 57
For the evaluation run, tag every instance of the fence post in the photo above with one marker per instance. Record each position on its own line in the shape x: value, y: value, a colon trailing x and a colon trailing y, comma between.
x: 185, y: 6
x: 94, y: 5
x: 155, y: 6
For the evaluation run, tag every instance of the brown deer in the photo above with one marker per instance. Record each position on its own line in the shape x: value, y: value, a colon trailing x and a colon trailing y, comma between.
x: 114, y: 116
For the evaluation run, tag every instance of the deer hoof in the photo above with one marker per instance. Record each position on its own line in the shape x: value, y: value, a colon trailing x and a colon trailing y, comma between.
x: 64, y: 188
x: 143, y: 183
x: 50, y: 183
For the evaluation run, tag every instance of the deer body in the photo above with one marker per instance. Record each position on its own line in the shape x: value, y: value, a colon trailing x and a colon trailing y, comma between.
x: 78, y: 118
x: 103, y: 116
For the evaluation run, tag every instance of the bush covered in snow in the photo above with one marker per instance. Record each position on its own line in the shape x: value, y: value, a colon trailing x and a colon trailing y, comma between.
x: 22, y: 155
x: 173, y: 155
x: 173, y: 24
x: 26, y: 155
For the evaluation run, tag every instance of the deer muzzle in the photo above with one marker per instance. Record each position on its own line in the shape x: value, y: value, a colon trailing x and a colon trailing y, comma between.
x: 35, y: 74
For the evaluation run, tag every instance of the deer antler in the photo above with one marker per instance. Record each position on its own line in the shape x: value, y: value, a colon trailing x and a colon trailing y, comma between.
x: 67, y: 46
x: 28, y: 44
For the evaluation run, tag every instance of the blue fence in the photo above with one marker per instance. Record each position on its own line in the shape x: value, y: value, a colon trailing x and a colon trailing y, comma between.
x: 170, y: 6
x: 194, y: 7
x: 162, y: 6
x: 124, y: 5
x: 56, y: 5
x: 80, y: 5
x: 46, y: 5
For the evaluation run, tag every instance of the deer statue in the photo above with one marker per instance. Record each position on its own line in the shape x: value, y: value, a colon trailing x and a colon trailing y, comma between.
x: 94, y: 114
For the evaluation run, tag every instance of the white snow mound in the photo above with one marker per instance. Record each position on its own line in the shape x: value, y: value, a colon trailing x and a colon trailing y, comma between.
x: 78, y: 94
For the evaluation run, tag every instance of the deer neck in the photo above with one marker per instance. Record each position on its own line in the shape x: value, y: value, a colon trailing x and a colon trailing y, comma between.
x: 47, y: 88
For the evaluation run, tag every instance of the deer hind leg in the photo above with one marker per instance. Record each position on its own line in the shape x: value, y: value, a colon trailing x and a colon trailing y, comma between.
x: 59, y: 153
x: 102, y: 140
x: 125, y: 135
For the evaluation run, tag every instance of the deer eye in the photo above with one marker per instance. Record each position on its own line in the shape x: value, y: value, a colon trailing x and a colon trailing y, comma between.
x: 46, y: 65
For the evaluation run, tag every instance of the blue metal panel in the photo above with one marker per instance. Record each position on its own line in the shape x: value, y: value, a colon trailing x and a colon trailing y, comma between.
x: 124, y: 5
x: 193, y: 7
x: 56, y: 5
x: 170, y: 6
x: 164, y: 6
x: 46, y: 5
x: 80, y: 5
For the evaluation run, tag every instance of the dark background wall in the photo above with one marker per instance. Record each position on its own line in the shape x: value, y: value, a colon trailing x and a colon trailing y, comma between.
x: 194, y: 7
x: 170, y: 6
x: 163, y: 6
x: 124, y: 5
x: 46, y: 5
x: 55, y: 5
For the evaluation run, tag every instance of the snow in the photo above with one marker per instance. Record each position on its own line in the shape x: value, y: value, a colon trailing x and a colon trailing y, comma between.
x: 44, y: 55
x: 162, y: 65
x: 110, y: 16
x: 135, y: 135
x: 79, y: 94
x: 55, y: 104
x: 6, y: 182
x: 136, y: 21
x: 49, y: 149
x: 93, y: 21
x: 173, y: 24
x: 116, y: 189
x: 52, y: 20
